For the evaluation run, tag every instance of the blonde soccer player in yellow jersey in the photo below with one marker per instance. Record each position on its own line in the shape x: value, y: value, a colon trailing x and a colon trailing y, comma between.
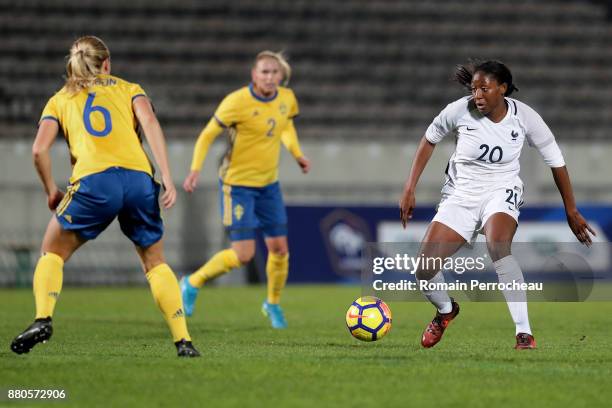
x: 258, y: 117
x: 111, y: 178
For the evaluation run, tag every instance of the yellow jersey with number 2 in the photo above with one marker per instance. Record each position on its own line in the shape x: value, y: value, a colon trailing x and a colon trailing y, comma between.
x: 255, y: 125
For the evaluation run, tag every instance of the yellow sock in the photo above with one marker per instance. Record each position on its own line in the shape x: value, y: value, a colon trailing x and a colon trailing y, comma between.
x: 277, y: 269
x: 48, y: 277
x: 219, y: 264
x: 167, y: 295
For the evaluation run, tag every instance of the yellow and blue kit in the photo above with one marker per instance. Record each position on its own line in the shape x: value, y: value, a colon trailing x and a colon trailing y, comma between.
x: 111, y: 175
x: 250, y: 196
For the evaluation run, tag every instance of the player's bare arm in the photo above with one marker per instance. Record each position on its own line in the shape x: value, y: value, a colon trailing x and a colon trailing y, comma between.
x: 47, y: 132
x: 191, y: 181
x: 205, y: 139
x: 155, y: 137
x: 304, y: 163
x: 421, y: 157
x: 576, y: 221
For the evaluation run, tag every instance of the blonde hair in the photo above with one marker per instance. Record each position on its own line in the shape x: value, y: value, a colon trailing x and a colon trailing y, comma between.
x: 85, y: 63
x: 282, y: 61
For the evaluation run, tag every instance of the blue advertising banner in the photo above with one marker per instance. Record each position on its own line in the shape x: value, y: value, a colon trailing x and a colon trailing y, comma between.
x: 326, y: 242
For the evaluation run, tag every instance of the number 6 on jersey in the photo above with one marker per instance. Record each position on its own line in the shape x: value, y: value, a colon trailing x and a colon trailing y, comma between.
x: 89, y: 110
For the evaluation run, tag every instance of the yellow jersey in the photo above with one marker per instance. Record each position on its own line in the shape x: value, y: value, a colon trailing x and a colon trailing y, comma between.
x: 256, y: 127
x: 100, y: 126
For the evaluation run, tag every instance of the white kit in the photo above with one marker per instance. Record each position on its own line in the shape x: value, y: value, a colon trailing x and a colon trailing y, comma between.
x: 482, y: 176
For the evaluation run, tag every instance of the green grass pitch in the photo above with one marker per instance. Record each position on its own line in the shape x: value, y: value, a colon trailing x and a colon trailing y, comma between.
x: 111, y: 348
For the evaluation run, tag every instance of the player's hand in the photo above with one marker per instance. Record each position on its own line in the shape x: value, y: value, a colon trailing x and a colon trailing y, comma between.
x: 191, y: 181
x: 580, y: 227
x: 406, y: 206
x: 169, y: 197
x: 304, y: 163
x: 54, y: 198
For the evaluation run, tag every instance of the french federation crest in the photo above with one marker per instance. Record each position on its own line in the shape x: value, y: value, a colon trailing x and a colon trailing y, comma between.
x: 345, y: 235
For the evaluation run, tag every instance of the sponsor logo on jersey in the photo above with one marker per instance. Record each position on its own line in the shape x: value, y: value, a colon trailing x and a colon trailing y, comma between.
x: 68, y: 218
x: 255, y: 113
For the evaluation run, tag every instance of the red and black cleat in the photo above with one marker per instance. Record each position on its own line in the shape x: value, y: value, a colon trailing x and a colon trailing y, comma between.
x: 434, y: 331
x: 525, y: 341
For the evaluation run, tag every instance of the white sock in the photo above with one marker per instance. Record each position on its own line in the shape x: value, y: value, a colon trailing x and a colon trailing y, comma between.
x: 439, y: 298
x: 508, y: 270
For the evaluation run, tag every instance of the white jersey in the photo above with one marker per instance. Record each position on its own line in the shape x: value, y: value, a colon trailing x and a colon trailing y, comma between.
x: 487, y: 153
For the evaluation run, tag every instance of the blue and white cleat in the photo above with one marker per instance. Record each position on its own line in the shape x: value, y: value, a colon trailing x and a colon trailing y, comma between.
x: 189, y: 295
x: 275, y: 314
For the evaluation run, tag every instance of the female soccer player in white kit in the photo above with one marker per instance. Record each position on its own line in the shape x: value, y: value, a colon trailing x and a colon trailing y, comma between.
x: 483, y: 190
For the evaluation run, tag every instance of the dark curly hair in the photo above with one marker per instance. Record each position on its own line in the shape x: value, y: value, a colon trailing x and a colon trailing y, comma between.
x: 496, y: 69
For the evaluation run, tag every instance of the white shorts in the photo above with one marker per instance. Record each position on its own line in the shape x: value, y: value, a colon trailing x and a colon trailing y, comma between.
x: 468, y: 215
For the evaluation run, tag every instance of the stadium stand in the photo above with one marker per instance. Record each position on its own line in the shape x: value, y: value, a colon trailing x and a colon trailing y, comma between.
x: 362, y: 68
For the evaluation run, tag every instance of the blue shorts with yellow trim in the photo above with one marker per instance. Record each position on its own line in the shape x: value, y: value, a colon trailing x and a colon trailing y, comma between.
x: 93, y: 202
x: 246, y: 209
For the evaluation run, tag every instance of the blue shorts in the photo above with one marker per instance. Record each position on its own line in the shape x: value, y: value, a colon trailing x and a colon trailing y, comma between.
x: 93, y: 202
x: 245, y: 209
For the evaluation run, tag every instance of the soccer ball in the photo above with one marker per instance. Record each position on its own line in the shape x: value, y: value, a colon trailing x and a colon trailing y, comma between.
x: 368, y: 318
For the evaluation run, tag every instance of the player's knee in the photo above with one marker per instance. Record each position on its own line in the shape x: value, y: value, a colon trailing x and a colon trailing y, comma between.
x: 278, y: 247
x: 53, y: 255
x: 498, y: 254
x: 151, y: 256
x: 499, y: 250
x: 245, y: 256
x: 280, y: 251
x: 149, y: 264
x: 499, y: 242
x: 424, y: 274
x: 151, y: 260
x: 64, y: 253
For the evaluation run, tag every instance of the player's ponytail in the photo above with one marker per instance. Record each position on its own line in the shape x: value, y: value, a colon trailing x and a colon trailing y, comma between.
x: 463, y: 75
x: 498, y: 70
x: 282, y: 61
x: 84, y: 64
